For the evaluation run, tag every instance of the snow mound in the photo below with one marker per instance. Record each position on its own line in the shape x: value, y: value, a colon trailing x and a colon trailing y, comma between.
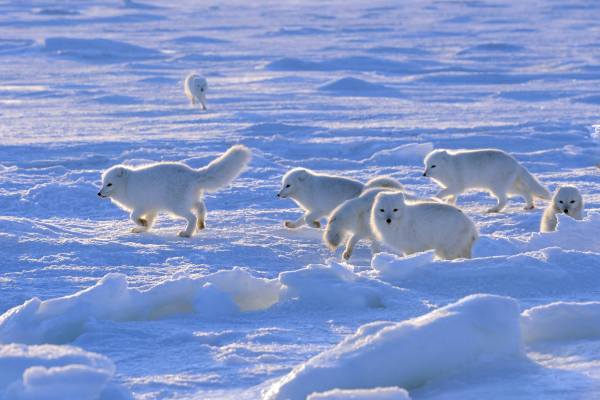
x: 390, y: 393
x: 292, y: 64
x: 98, y: 50
x: 492, y: 48
x: 63, y: 319
x: 564, y: 261
x: 357, y: 87
x: 536, y: 273
x: 349, y: 63
x: 570, y: 234
x: 411, y: 353
x: 56, y: 373
x: 387, y: 265
x: 561, y: 320
x: 334, y: 286
x: 405, y: 154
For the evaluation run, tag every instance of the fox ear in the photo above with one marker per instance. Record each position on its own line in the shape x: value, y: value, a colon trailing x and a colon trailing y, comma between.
x: 121, y: 172
x: 302, y: 175
x: 401, y: 199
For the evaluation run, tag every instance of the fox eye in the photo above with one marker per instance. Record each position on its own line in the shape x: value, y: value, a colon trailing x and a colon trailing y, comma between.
x: 110, y: 184
x: 382, y: 210
x: 202, y: 89
x: 395, y: 209
x: 560, y: 201
x: 433, y: 166
x: 572, y: 201
x: 287, y: 186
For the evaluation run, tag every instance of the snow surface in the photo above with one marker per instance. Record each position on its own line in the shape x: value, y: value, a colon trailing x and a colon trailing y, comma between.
x: 412, y: 352
x: 346, y: 87
x: 392, y: 393
x: 56, y: 373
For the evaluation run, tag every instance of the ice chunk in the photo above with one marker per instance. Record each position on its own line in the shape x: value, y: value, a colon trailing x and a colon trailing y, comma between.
x: 410, y: 353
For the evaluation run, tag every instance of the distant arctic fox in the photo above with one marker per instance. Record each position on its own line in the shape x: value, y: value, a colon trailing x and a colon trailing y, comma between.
x: 195, y: 88
x: 171, y: 187
x: 488, y: 169
x: 318, y: 194
x: 412, y: 228
x: 566, y: 199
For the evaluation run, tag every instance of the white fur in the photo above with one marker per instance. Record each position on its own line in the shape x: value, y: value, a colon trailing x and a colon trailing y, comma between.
x: 567, y: 200
x: 352, y: 218
x: 487, y: 169
x: 319, y: 194
x: 412, y: 228
x: 195, y: 88
x: 171, y: 187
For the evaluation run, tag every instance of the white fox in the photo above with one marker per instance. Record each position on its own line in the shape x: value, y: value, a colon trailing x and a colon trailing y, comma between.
x: 487, y: 169
x: 567, y: 200
x: 352, y: 219
x: 195, y: 88
x: 171, y: 187
x: 412, y: 228
x: 319, y: 194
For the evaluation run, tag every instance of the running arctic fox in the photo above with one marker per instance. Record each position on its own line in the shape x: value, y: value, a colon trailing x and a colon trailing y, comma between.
x: 487, y: 169
x: 412, y: 228
x: 195, y: 88
x: 174, y: 188
x: 318, y: 194
x: 566, y: 199
x: 352, y: 219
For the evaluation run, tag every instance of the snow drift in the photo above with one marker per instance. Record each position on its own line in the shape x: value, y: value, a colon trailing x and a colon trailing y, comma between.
x: 98, y: 50
x: 391, y: 393
x: 349, y: 86
x: 334, y: 286
x: 412, y: 352
x: 564, y: 261
x: 561, y: 321
x: 61, y: 320
x: 411, y: 153
x: 56, y: 373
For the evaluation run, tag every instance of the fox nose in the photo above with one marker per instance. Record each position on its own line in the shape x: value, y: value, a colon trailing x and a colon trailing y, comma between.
x: 99, y: 194
x: 425, y: 173
x: 278, y: 195
x: 566, y: 210
x: 389, y: 220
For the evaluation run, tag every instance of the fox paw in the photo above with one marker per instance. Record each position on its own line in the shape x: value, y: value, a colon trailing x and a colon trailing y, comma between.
x: 184, y: 234
x: 316, y: 224
x: 493, y: 210
x: 201, y: 225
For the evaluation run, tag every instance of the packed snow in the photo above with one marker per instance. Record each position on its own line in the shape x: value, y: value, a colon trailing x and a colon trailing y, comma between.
x: 246, y: 307
x: 391, y: 393
x: 55, y: 373
x: 411, y: 353
x: 561, y: 321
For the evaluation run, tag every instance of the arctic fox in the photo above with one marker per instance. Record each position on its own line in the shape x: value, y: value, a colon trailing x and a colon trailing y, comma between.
x: 566, y: 199
x: 195, y: 88
x: 171, y: 187
x: 352, y: 218
x: 318, y: 194
x: 488, y: 169
x: 412, y: 228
